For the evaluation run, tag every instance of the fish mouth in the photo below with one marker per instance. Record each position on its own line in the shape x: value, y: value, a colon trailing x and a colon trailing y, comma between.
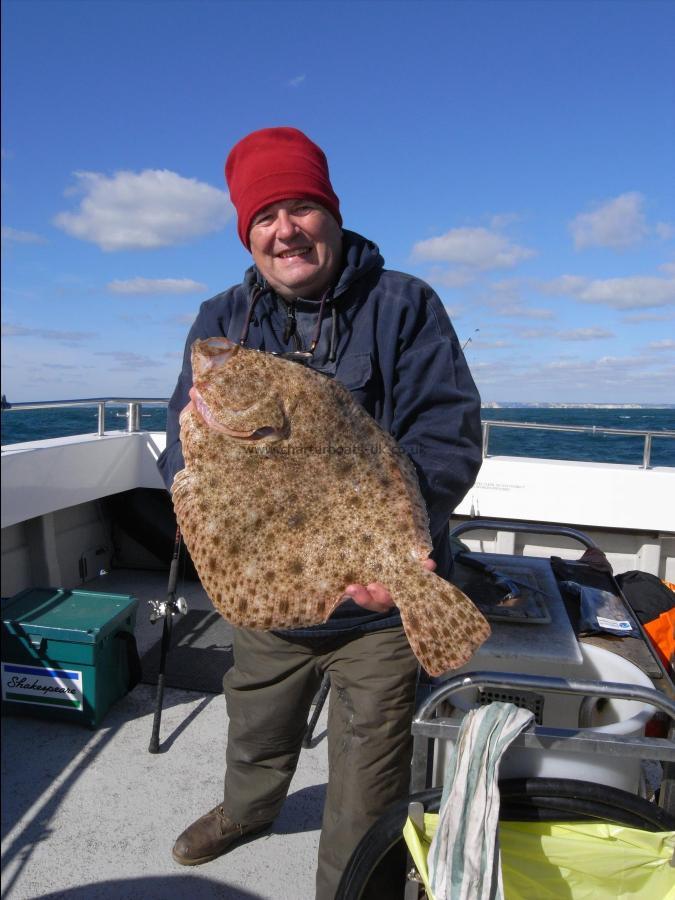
x: 265, y: 433
x: 268, y: 433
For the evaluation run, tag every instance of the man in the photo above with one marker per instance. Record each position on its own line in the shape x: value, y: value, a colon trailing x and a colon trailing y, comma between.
x: 321, y: 292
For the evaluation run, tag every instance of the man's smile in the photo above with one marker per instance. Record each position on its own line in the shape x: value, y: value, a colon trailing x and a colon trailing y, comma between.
x: 298, y: 251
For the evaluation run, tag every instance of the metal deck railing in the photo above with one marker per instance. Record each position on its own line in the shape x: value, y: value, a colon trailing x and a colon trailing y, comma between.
x: 134, y: 405
x: 581, y: 429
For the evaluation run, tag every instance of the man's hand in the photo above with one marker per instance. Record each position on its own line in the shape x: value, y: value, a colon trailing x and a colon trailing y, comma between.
x: 375, y: 596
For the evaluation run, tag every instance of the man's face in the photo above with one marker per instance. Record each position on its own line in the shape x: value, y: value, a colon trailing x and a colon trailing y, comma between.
x: 297, y: 247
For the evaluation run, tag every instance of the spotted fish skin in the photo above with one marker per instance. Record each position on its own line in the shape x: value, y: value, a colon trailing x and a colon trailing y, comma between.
x: 291, y: 492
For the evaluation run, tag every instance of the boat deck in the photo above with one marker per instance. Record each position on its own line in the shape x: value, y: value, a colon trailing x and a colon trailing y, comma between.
x: 91, y: 814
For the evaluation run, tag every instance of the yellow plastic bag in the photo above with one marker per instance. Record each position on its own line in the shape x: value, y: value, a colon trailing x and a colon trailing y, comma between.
x: 575, y: 861
x: 418, y: 845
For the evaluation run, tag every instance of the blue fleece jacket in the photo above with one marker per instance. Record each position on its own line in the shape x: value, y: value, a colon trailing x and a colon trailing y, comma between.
x: 386, y: 336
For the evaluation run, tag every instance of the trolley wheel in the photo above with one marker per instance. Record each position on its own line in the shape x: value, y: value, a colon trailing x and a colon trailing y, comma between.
x: 377, y: 867
x: 567, y: 800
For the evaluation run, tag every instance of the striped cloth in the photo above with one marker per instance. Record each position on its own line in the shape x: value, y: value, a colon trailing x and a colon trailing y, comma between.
x: 464, y: 861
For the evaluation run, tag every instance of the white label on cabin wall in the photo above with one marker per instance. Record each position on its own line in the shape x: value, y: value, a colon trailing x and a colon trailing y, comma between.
x: 56, y: 688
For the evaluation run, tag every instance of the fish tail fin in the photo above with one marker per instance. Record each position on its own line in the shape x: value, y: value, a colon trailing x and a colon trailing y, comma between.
x: 443, y: 626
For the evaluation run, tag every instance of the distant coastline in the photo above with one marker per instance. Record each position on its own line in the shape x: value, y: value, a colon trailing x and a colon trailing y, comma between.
x: 493, y: 404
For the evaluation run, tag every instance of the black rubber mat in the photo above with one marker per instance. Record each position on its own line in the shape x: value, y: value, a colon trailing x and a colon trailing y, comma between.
x: 200, y: 652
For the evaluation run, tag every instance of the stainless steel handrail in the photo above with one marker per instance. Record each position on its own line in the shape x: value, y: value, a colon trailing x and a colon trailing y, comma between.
x: 524, y: 527
x: 133, y: 405
x: 580, y: 429
x: 514, y: 681
x: 425, y: 727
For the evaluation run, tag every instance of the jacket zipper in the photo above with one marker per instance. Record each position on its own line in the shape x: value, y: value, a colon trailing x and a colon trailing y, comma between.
x: 291, y: 325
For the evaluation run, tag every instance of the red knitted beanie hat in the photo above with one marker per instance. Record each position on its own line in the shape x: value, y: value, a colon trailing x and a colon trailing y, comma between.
x: 276, y: 164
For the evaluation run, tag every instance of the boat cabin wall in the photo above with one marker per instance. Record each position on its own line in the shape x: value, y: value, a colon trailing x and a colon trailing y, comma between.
x: 58, y: 528
x: 70, y: 546
x: 59, y: 549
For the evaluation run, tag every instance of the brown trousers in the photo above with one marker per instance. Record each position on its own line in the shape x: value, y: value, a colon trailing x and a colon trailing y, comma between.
x: 269, y: 691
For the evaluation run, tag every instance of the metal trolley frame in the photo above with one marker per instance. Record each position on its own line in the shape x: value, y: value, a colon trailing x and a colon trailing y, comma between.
x: 428, y: 726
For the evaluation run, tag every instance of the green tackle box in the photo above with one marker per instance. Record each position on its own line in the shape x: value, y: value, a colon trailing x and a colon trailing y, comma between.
x: 67, y: 654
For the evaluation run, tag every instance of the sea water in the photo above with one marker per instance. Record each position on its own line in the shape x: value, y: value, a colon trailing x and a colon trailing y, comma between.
x: 585, y: 446
x: 30, y: 425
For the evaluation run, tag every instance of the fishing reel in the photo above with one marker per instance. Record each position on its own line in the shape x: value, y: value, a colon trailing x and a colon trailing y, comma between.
x: 161, y: 608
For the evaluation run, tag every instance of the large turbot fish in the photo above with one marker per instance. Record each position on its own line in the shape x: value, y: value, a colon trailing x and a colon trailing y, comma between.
x: 291, y: 492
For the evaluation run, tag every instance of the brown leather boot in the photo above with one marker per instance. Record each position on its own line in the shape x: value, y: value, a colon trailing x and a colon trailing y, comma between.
x: 210, y: 836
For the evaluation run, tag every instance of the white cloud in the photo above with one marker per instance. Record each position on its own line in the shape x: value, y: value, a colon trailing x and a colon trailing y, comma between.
x: 184, y: 318
x: 603, y: 363
x: 136, y: 318
x: 507, y: 301
x: 637, y: 318
x: 128, y: 360
x: 451, y: 278
x: 477, y: 248
x: 297, y: 81
x: 21, y: 237
x: 584, y: 334
x: 618, y: 223
x: 510, y: 287
x: 665, y: 344
x: 668, y: 268
x: 566, y: 285
x: 630, y: 293
x: 501, y: 220
x: 48, y: 334
x: 155, y: 286
x: 518, y: 310
x: 634, y: 292
x: 497, y: 344
x: 665, y: 230
x: 531, y: 334
x: 144, y: 210
x: 606, y: 380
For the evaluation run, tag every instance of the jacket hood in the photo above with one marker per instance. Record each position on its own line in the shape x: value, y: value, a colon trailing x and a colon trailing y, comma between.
x: 359, y: 258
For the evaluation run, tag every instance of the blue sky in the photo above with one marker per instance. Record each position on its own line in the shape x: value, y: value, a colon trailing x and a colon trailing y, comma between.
x: 516, y: 155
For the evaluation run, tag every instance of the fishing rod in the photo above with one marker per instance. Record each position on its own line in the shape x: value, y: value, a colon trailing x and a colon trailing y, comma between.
x: 469, y: 339
x: 165, y: 609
